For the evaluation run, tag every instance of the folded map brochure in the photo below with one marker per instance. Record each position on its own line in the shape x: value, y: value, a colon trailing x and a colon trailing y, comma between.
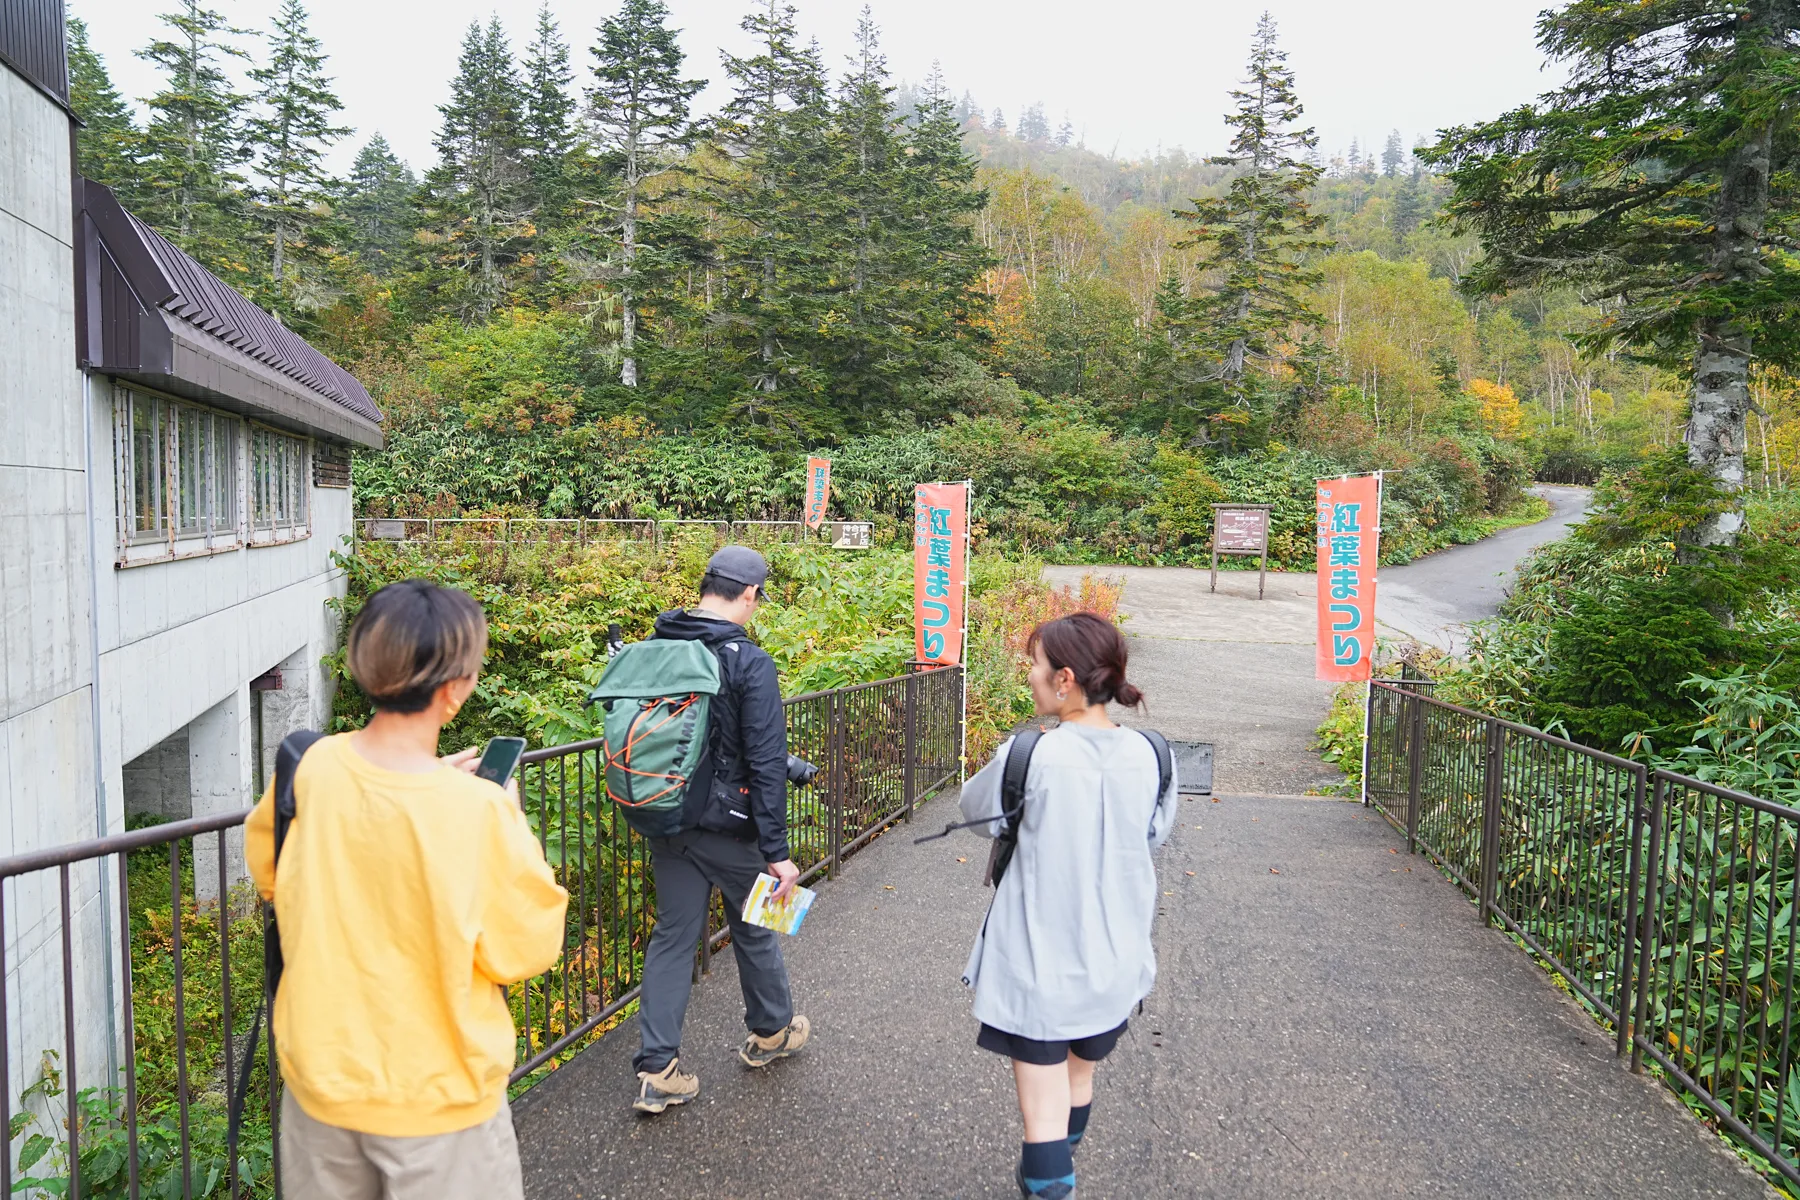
x: 783, y: 917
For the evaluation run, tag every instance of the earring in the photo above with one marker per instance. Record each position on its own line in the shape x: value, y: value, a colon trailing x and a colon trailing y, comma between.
x: 454, y: 709
x: 1062, y: 694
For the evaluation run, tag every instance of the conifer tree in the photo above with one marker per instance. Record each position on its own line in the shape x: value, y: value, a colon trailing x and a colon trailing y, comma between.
x: 1033, y: 127
x: 776, y: 126
x: 639, y: 110
x: 378, y: 207
x: 108, y: 143
x: 194, y: 142
x: 1393, y: 155
x: 1656, y: 179
x: 547, y: 123
x: 868, y: 182
x: 998, y: 124
x: 1255, y: 237
x: 1412, y: 204
x: 1065, y: 133
x: 291, y: 133
x: 940, y: 258
x: 480, y: 185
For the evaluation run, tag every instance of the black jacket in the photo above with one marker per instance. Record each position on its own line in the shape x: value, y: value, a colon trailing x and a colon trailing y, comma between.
x: 741, y: 787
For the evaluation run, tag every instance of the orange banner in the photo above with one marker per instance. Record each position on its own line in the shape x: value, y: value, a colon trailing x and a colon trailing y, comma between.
x: 940, y: 557
x: 818, y: 490
x: 1349, y: 543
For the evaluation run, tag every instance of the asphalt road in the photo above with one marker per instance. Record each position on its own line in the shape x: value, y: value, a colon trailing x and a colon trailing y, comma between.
x: 1329, y: 1019
x: 1434, y: 599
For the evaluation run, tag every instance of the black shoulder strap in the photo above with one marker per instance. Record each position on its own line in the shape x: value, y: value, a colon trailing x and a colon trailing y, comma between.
x: 287, y: 761
x: 1165, y: 760
x: 1013, y: 776
x: 1012, y: 789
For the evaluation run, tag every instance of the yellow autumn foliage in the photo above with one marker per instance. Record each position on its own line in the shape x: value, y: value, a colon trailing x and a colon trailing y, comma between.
x: 1500, y: 414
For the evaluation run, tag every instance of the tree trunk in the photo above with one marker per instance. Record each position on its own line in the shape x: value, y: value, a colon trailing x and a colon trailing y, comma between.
x: 1716, y: 432
x: 628, y: 369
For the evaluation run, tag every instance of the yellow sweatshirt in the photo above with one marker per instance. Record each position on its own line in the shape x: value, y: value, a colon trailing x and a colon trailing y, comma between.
x: 404, y: 901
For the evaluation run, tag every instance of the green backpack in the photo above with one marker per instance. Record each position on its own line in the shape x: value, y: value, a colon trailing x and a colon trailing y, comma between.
x: 657, y: 696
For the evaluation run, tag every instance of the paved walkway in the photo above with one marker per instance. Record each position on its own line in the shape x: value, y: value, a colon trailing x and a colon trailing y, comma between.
x: 1329, y: 1018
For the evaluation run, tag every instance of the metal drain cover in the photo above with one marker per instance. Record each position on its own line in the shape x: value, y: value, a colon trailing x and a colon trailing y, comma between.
x: 1193, y: 767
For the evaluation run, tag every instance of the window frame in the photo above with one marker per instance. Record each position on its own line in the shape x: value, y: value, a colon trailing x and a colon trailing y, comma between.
x: 277, y: 509
x: 198, y: 501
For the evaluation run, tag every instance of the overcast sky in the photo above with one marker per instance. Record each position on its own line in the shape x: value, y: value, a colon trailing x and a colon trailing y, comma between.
x: 1132, y: 75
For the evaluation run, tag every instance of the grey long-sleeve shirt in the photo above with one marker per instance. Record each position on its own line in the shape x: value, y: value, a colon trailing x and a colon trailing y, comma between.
x: 1065, y: 951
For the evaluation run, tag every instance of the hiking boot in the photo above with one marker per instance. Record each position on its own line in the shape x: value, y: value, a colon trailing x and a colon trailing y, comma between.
x: 667, y: 1087
x: 761, y: 1051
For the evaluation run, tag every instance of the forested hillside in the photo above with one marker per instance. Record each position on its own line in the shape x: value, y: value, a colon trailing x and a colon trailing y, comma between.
x: 600, y: 301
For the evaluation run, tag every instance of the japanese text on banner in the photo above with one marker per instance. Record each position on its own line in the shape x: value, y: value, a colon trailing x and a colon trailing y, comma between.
x: 940, y: 555
x: 818, y: 490
x: 1349, y: 512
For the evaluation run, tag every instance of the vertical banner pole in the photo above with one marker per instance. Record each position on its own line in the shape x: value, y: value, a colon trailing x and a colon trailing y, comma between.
x: 962, y: 657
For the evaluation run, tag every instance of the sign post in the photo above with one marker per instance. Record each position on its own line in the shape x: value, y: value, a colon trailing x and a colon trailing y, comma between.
x: 818, y: 490
x: 941, y: 587
x: 940, y: 571
x: 1349, y: 545
x: 1241, y: 529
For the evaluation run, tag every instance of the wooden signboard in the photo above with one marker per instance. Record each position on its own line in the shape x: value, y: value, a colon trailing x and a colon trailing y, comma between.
x: 1241, y: 529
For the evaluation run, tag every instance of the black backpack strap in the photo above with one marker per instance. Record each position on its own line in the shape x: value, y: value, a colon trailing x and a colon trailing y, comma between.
x: 287, y: 764
x: 287, y: 761
x: 1013, y: 776
x: 1165, y: 760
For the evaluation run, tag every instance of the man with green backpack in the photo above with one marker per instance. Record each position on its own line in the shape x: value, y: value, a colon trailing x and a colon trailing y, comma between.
x: 696, y: 758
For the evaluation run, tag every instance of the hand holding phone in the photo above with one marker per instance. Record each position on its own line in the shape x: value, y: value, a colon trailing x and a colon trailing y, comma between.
x: 500, y: 759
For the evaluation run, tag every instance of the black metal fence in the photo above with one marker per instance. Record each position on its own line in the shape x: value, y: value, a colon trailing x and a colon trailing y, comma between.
x: 1667, y: 903
x: 142, y: 1028
x: 582, y: 531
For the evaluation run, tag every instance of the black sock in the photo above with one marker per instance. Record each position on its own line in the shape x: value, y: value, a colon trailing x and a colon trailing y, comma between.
x: 1078, y: 1119
x: 1045, y: 1164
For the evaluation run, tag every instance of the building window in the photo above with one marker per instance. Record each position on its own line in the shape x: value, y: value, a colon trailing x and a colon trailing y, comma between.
x: 280, y: 479
x: 178, y: 473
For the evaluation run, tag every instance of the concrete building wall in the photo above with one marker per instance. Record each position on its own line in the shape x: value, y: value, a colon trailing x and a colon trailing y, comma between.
x: 178, y: 642
x: 47, y: 759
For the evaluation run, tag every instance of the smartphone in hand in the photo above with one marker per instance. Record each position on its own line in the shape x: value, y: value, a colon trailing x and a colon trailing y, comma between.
x: 500, y: 759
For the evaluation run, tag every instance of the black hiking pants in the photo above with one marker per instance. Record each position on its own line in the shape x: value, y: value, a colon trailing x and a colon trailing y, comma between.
x: 688, y: 866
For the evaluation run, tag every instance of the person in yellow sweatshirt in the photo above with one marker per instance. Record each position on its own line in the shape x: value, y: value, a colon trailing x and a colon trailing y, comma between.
x: 409, y: 891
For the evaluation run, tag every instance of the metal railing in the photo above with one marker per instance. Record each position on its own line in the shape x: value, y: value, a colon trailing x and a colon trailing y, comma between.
x: 1666, y: 903
x: 166, y: 993
x: 579, y: 531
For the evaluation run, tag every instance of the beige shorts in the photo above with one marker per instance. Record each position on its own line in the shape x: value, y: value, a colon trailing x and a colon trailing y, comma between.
x: 323, y: 1162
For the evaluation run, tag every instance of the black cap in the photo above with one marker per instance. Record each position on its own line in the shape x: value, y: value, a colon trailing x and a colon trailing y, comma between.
x: 739, y: 564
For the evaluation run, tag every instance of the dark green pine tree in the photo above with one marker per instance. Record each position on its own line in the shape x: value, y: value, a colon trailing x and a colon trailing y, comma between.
x: 480, y: 188
x: 108, y: 144
x: 939, y: 261
x: 291, y: 132
x: 378, y: 208
x: 787, y: 216
x: 1412, y: 203
x: 868, y: 348
x: 1034, y: 126
x: 194, y: 142
x: 1254, y: 240
x: 1393, y: 155
x: 547, y: 124
x: 1657, y: 180
x: 638, y: 109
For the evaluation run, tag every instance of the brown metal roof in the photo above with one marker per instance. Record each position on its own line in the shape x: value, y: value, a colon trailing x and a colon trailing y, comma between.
x: 209, y: 304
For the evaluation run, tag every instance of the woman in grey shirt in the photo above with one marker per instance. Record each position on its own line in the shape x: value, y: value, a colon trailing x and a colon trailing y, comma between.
x: 1065, y: 952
